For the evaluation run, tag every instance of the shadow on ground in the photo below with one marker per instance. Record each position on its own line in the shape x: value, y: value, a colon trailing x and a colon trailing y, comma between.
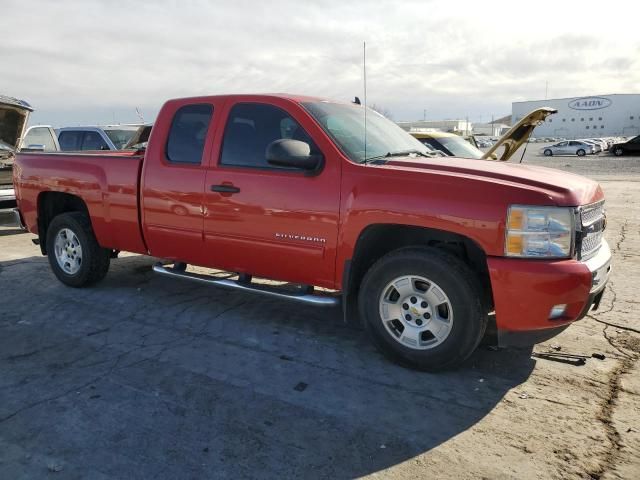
x: 148, y: 377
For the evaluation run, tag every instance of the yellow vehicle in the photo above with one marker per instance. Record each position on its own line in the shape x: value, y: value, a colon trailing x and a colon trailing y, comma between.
x: 450, y: 144
x: 453, y: 145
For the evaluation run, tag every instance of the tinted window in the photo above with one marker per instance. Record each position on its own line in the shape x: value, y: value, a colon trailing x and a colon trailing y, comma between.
x: 188, y: 134
x: 70, y: 140
x: 93, y: 141
x: 251, y: 127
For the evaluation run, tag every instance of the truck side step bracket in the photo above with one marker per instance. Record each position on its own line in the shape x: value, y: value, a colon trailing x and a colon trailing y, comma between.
x: 303, y: 296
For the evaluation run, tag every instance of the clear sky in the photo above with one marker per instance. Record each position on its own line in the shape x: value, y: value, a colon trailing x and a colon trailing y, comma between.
x: 89, y: 62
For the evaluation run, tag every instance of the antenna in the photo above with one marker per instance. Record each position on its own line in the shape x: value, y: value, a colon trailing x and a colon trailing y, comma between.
x: 140, y: 116
x: 364, y: 73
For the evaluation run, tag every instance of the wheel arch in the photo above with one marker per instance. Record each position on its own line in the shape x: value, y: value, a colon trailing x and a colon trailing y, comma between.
x: 52, y: 204
x: 377, y: 240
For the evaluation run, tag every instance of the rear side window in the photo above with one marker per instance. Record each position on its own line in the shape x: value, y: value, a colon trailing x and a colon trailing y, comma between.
x: 188, y: 133
x: 93, y: 141
x: 251, y: 127
x: 39, y: 136
x: 70, y: 141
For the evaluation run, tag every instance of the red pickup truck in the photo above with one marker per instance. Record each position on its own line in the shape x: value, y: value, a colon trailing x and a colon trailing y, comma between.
x: 356, y: 212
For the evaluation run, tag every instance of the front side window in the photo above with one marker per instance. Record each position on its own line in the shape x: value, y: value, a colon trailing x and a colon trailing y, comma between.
x: 345, y: 125
x: 188, y: 133
x: 251, y: 127
x: 93, y: 141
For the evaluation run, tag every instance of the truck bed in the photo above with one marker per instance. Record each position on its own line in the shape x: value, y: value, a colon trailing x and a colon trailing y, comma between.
x: 108, y: 183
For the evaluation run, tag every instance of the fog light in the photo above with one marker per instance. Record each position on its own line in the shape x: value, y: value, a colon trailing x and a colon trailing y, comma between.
x: 557, y: 311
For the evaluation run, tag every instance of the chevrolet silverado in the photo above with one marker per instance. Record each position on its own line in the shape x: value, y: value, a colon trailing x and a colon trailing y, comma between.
x: 347, y: 206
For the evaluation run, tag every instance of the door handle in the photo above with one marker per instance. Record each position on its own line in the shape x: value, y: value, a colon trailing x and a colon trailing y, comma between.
x: 224, y: 188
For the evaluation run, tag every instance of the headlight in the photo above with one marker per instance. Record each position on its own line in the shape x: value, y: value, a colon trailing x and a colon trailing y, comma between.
x: 539, y: 232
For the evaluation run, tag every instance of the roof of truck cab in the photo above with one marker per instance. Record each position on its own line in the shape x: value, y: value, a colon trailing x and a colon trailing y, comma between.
x: 286, y: 96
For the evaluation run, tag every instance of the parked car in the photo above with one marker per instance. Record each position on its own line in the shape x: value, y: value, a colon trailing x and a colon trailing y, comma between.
x: 599, y: 141
x: 284, y: 187
x: 598, y: 147
x: 630, y: 147
x: 569, y: 147
x: 449, y: 143
x: 40, y: 138
x: 14, y: 115
x: 74, y: 139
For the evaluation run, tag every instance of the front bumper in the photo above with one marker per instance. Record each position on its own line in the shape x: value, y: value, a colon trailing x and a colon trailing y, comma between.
x: 525, y: 291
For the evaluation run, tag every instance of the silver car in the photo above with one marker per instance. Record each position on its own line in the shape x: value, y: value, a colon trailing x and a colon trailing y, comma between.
x: 570, y: 147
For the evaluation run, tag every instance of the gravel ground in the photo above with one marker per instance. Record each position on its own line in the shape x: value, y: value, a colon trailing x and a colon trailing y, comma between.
x: 145, y: 377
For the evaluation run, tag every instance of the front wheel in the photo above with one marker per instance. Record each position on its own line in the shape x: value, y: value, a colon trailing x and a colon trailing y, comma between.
x: 581, y: 153
x: 548, y: 153
x: 618, y: 152
x: 422, y: 308
x: 74, y: 254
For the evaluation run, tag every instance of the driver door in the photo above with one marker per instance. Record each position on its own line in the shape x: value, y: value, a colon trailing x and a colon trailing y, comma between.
x: 278, y: 223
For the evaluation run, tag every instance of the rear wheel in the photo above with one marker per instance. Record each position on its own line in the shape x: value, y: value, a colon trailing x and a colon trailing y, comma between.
x: 581, y: 153
x: 548, y: 153
x: 422, y: 307
x: 618, y: 152
x: 74, y: 254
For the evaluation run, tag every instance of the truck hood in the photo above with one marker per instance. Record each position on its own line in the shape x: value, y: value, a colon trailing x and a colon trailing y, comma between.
x: 561, y: 188
x: 13, y: 120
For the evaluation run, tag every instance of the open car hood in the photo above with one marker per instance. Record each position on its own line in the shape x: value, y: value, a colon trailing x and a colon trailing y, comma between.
x: 14, y: 114
x: 519, y: 133
x: 140, y: 139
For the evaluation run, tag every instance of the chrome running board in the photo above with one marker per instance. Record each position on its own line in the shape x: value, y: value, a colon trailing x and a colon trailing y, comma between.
x: 319, y: 300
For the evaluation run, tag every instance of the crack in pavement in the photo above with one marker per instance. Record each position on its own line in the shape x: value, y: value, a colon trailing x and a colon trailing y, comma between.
x: 605, y: 416
x: 622, y: 236
x: 614, y: 386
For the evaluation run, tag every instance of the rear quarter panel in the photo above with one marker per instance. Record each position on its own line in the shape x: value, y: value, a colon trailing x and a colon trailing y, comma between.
x: 108, y: 185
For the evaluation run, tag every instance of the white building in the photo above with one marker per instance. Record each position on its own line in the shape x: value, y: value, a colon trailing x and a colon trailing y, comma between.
x: 584, y: 117
x: 452, y: 126
x: 490, y: 129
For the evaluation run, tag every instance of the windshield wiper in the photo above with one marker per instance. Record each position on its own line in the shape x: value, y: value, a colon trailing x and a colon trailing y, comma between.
x: 400, y: 153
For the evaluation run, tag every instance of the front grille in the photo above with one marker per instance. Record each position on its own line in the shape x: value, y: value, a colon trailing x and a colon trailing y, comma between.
x: 592, y: 221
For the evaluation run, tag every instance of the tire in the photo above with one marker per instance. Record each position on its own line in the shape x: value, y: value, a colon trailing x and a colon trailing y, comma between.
x: 76, y: 267
x: 548, y: 153
x: 581, y: 153
x: 618, y: 152
x: 457, y: 329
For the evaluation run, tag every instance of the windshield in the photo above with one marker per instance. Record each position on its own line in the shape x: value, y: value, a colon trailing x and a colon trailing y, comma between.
x: 345, y: 125
x: 458, y: 146
x: 120, y: 137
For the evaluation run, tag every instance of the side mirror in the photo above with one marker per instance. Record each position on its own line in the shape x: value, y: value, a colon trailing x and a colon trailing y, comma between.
x: 286, y: 152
